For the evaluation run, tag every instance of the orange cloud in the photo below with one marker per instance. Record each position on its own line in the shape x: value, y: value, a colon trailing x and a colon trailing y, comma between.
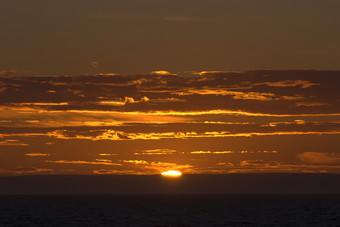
x: 289, y: 83
x: 320, y: 157
x: 42, y: 104
x: 24, y: 170
x: 295, y: 122
x: 162, y: 73
x: 156, y: 152
x: 229, y: 164
x: 168, y: 165
x: 103, y: 160
x: 12, y: 143
x: 72, y: 117
x: 202, y: 73
x: 144, y: 99
x: 225, y: 123
x: 224, y: 92
x: 212, y: 152
x: 312, y: 104
x: 118, y: 172
x: 37, y: 154
x: 254, y: 96
x: 106, y: 163
x: 296, y: 97
x: 136, y: 162
x: 259, y: 96
x: 120, y: 135
x: 259, y: 163
x: 268, y: 152
x: 104, y: 154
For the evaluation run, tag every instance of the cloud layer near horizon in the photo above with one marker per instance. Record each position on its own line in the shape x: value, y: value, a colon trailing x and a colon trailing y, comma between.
x: 199, y: 122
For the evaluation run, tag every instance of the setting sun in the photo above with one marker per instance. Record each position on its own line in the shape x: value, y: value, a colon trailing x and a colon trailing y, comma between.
x: 172, y: 173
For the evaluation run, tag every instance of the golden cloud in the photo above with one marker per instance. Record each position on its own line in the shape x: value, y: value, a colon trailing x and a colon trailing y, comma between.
x: 136, y: 162
x: 37, y: 154
x: 162, y: 73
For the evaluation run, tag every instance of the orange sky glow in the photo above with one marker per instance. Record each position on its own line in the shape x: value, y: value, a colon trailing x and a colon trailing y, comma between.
x: 133, y: 87
x: 206, y: 122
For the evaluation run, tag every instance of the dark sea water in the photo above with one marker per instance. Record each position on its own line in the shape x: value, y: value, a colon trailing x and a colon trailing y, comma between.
x: 170, y: 210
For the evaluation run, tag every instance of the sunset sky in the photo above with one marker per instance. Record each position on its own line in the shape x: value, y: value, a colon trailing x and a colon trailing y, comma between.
x: 143, y: 87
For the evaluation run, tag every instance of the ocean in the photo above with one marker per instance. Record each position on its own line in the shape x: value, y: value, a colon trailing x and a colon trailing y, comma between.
x: 170, y: 210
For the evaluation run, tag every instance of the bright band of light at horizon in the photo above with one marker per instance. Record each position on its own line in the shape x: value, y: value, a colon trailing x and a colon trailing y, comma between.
x: 172, y: 173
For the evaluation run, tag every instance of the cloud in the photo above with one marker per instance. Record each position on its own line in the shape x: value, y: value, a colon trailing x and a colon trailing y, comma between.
x: 225, y: 123
x: 275, y: 124
x: 254, y: 96
x: 224, y: 92
x: 259, y: 163
x: 229, y: 164
x: 118, y: 135
x: 37, y: 154
x: 152, y: 93
x: 290, y: 83
x: 320, y: 157
x: 148, y: 168
x: 136, y: 162
x: 162, y: 166
x: 118, y: 172
x: 203, y: 73
x: 12, y: 143
x: 258, y: 96
x: 312, y: 104
x: 165, y: 100
x: 232, y: 152
x: 212, y: 152
x: 270, y: 166
x: 161, y: 151
x: 195, y: 113
x: 25, y: 170
x: 118, y: 102
x: 103, y: 160
x: 295, y: 97
x: 80, y: 162
x: 144, y: 99
x: 162, y: 73
x: 105, y: 154
x: 167, y: 118
x: 42, y: 104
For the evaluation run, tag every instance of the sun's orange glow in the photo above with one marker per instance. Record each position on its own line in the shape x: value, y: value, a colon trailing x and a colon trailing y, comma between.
x: 169, y: 124
x: 172, y: 173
